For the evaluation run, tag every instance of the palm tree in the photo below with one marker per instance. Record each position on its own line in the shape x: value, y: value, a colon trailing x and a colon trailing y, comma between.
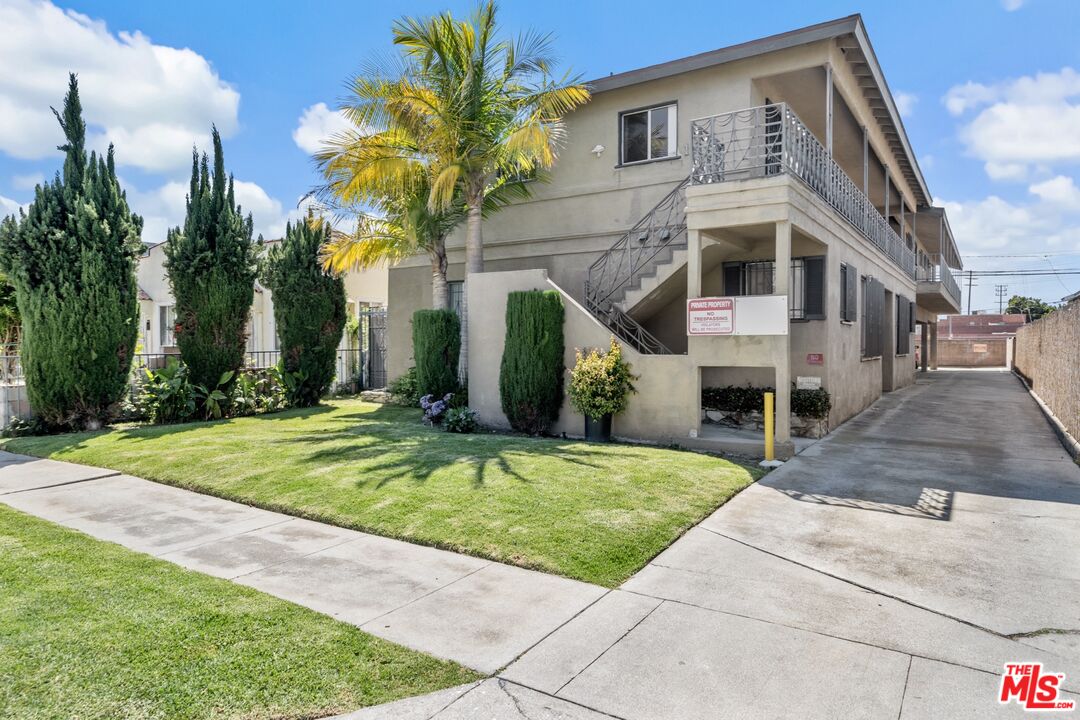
x: 402, y: 227
x: 482, y: 110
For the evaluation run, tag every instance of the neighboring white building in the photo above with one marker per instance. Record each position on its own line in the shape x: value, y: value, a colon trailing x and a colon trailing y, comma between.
x: 157, y: 316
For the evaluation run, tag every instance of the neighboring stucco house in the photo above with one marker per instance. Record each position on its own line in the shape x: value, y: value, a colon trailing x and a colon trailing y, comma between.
x: 774, y: 176
x: 157, y: 317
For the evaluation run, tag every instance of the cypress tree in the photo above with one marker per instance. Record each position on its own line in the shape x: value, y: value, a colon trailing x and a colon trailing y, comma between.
x: 71, y: 258
x: 211, y: 263
x: 309, y: 307
x: 436, y: 347
x: 531, y: 374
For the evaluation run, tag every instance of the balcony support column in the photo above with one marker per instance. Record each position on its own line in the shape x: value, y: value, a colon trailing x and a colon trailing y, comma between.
x: 924, y: 343
x: 865, y: 162
x: 933, y: 346
x: 693, y: 263
x: 783, y: 353
x: 828, y: 110
x: 887, y: 193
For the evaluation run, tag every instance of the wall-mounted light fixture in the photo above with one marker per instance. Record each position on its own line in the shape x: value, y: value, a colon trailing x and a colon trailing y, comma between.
x: 598, y: 150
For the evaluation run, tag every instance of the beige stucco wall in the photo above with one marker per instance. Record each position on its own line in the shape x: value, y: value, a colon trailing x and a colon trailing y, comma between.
x: 362, y: 287
x: 665, y: 408
x: 591, y: 201
x: 1048, y: 355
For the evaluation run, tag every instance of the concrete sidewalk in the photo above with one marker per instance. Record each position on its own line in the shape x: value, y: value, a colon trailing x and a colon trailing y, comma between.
x: 480, y: 613
x: 877, y: 575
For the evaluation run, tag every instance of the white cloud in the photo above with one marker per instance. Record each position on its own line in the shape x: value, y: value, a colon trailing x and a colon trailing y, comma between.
x: 1012, y: 5
x: 1060, y: 191
x: 163, y: 208
x: 10, y: 207
x: 1031, y: 122
x: 28, y: 181
x: 318, y: 124
x: 905, y: 103
x: 153, y: 101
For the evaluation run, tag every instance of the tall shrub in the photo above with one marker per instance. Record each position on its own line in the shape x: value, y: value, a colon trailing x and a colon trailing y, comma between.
x: 436, y: 345
x: 309, y: 308
x: 71, y: 258
x: 531, y: 376
x: 211, y: 263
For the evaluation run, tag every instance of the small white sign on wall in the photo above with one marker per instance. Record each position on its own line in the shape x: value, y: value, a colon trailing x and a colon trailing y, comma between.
x: 807, y: 382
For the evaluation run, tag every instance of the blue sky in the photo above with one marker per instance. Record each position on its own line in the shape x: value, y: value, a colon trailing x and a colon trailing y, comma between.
x: 989, y: 91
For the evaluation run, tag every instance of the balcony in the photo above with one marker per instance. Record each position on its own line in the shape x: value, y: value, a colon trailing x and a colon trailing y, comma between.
x: 771, y: 139
x: 938, y: 290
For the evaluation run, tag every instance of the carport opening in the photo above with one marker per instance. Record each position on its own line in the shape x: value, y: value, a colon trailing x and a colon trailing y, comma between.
x: 731, y: 402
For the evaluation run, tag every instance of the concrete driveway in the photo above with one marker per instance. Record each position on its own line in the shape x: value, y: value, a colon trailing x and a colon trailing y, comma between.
x: 888, y: 572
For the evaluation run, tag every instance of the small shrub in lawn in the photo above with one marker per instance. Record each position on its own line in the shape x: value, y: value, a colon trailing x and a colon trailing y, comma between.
x: 460, y: 420
x: 405, y: 389
x: 435, y: 409
x: 436, y: 346
x: 531, y: 375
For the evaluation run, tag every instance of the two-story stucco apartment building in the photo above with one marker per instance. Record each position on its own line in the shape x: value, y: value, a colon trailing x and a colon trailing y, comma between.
x: 157, y: 313
x: 774, y: 177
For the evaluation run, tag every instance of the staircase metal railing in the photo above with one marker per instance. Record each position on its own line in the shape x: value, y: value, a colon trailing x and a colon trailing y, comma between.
x: 639, y: 251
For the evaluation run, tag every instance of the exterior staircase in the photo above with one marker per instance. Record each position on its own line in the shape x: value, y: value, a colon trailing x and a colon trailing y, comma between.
x: 635, y: 265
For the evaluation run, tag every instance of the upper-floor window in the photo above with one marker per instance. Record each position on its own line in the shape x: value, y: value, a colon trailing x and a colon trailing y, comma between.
x: 167, y: 325
x: 648, y: 134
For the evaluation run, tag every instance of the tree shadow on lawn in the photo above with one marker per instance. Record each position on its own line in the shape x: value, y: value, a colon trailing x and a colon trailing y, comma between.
x: 409, y: 450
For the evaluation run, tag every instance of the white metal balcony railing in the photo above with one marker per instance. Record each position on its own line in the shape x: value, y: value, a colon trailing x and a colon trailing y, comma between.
x: 933, y: 268
x: 771, y: 139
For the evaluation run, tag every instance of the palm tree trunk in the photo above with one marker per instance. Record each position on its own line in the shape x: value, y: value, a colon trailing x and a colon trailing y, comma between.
x: 440, y: 295
x: 474, y: 263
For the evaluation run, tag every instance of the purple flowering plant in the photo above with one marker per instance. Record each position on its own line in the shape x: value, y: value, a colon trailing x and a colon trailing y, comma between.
x: 434, y: 410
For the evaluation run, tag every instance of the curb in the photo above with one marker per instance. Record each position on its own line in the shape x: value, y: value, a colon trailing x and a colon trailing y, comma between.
x: 1072, y: 446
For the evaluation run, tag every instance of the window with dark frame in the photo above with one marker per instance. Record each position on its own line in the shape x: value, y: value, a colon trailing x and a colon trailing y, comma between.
x: 806, y: 297
x: 905, y: 313
x: 873, y: 317
x: 648, y: 134
x: 849, y: 292
x: 455, y: 290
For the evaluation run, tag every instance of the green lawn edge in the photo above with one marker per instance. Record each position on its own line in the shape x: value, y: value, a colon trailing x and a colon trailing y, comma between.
x: 91, y: 629
x: 71, y: 447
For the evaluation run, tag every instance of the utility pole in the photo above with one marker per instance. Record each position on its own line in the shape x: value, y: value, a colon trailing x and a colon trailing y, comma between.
x: 971, y: 282
x: 1000, y: 291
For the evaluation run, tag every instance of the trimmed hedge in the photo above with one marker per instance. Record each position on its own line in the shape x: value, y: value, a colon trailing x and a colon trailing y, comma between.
x: 436, y: 344
x: 531, y: 374
x: 746, y: 399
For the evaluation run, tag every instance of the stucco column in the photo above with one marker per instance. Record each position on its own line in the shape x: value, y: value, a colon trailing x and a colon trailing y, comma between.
x: 693, y: 263
x: 924, y: 359
x: 933, y: 346
x: 783, y: 342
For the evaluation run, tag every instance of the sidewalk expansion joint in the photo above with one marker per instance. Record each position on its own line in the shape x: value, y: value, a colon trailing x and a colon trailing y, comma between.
x: 109, y: 474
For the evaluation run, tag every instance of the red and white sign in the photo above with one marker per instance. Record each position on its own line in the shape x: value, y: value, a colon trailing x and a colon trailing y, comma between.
x: 1031, y: 688
x: 815, y: 358
x: 710, y: 316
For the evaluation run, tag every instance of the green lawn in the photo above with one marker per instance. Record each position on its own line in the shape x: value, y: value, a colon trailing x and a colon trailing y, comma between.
x: 91, y: 630
x: 592, y: 512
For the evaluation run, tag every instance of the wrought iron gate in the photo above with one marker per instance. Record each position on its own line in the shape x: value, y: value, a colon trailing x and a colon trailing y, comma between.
x: 373, y: 339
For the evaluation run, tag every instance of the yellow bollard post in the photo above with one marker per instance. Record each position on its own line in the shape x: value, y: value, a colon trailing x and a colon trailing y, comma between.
x: 770, y: 453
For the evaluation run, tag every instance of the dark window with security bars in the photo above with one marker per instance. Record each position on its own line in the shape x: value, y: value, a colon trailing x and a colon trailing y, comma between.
x: 806, y: 296
x: 905, y: 314
x: 873, y: 317
x: 849, y: 292
x: 456, y: 294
